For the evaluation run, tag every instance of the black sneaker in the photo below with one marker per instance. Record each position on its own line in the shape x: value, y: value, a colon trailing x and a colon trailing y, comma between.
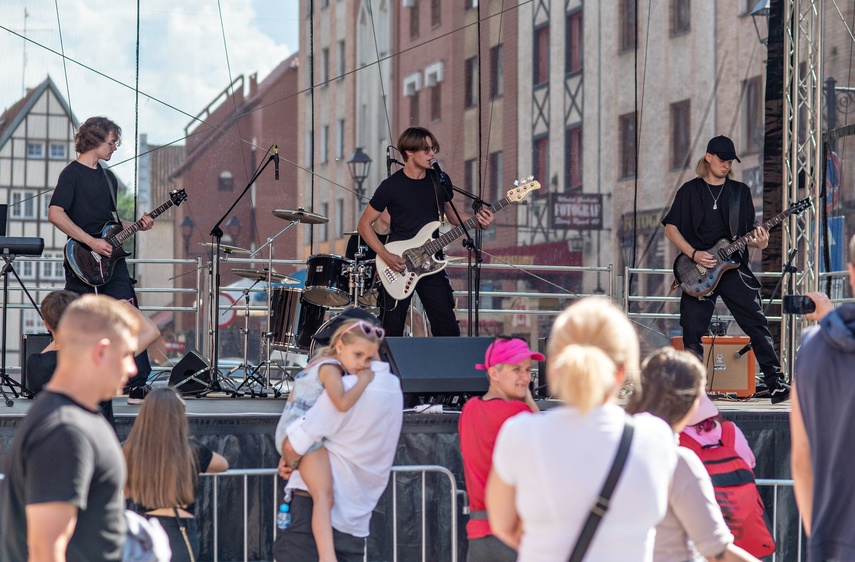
x: 781, y: 393
x: 138, y: 393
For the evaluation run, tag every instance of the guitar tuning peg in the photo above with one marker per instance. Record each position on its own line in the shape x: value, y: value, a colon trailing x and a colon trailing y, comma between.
x: 516, y: 183
x: 531, y: 178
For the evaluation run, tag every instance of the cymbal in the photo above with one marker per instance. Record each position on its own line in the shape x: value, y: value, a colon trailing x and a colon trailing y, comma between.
x: 226, y: 248
x: 261, y: 275
x: 300, y: 215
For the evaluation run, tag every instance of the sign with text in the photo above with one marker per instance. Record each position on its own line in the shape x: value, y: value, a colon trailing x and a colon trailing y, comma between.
x: 577, y: 211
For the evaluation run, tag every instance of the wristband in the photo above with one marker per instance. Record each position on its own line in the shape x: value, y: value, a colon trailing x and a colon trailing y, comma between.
x: 693, y: 254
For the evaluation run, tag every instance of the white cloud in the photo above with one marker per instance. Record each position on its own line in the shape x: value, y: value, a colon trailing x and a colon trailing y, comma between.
x: 183, y: 62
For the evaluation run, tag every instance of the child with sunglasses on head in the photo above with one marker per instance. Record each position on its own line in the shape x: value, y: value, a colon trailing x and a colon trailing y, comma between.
x: 351, y: 348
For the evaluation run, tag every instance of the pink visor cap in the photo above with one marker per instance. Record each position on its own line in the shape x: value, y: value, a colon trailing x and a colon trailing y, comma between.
x: 508, y: 352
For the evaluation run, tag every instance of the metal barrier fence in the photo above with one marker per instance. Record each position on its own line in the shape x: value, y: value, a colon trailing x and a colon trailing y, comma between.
x: 776, y: 485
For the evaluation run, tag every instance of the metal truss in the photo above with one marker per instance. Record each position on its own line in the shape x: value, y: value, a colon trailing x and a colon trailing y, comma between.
x: 802, y: 153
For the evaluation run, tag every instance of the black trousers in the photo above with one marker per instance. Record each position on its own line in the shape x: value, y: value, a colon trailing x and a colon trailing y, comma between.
x: 297, y: 544
x: 438, y: 300
x: 740, y: 292
x: 119, y: 287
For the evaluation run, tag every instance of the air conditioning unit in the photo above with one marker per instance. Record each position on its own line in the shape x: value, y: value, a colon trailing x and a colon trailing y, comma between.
x: 408, y: 3
x: 434, y: 74
x: 412, y: 84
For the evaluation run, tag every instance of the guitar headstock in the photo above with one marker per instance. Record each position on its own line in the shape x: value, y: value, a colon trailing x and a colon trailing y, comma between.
x: 178, y: 196
x: 800, y: 207
x: 521, y: 188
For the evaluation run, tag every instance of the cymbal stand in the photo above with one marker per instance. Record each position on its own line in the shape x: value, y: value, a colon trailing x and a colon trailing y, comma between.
x: 250, y: 373
x: 265, y: 341
x: 357, y: 274
x: 5, y: 379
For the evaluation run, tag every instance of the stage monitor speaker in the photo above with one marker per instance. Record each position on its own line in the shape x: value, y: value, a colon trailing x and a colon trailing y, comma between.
x: 192, y: 375
x: 30, y: 345
x: 726, y: 373
x: 437, y: 366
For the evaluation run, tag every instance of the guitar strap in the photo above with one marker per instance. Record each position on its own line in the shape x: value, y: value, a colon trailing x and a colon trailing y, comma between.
x: 735, y: 200
x: 112, y: 194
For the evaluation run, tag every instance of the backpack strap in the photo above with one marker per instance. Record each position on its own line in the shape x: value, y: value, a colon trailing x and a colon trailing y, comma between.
x: 689, y: 442
x: 728, y: 434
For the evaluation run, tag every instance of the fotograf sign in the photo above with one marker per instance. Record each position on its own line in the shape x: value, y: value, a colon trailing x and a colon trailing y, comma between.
x: 577, y: 211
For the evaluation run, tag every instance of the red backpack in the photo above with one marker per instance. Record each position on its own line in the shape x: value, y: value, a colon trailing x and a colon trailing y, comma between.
x: 735, y: 491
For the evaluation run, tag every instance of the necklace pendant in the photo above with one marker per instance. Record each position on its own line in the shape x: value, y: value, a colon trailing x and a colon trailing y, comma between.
x: 715, y: 206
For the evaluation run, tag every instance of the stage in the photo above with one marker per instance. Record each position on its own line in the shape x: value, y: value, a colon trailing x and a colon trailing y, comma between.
x: 242, y: 430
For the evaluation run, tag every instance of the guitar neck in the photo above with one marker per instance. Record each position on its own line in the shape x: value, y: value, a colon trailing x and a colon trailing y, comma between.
x: 742, y: 242
x: 438, y: 244
x: 134, y: 228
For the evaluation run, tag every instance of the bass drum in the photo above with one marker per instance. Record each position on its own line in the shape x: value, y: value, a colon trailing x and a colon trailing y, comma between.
x: 314, y: 346
x: 310, y: 321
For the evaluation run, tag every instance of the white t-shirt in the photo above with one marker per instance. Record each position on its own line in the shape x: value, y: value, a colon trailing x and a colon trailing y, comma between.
x: 693, y: 515
x: 558, y: 461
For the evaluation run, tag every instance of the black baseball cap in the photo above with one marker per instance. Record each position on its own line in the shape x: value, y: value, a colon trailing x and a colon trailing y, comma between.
x: 723, y: 147
x: 323, y: 335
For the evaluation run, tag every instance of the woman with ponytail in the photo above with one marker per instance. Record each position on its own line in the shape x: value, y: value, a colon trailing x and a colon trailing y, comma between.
x: 548, y: 469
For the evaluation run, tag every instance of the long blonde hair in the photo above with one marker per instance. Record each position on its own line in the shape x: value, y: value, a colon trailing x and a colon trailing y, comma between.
x: 591, y: 323
x: 162, y: 469
x: 703, y: 168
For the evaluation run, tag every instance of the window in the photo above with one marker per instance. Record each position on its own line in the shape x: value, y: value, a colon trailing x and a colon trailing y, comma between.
x: 497, y: 78
x: 26, y: 269
x: 22, y: 205
x: 471, y: 77
x: 435, y: 13
x: 540, y: 160
x: 339, y: 138
x: 226, y: 181
x: 627, y: 146
x: 52, y: 269
x: 57, y: 151
x: 753, y: 115
x: 470, y: 174
x: 681, y: 16
x: 323, y: 150
x: 573, y: 43
x: 680, y: 134
x: 436, y: 102
x: 324, y: 233
x: 340, y: 60
x: 541, y: 55
x: 35, y: 150
x: 31, y: 323
x: 414, y: 109
x: 627, y: 25
x: 497, y: 187
x: 573, y: 159
x: 325, y: 65
x: 414, y: 19
x: 471, y: 4
x: 339, y: 215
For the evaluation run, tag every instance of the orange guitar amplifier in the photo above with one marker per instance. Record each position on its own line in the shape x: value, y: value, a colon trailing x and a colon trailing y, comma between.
x: 725, y: 372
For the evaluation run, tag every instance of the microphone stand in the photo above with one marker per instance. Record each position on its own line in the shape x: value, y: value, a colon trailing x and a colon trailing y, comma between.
x: 787, y: 270
x: 473, y: 269
x: 217, y: 235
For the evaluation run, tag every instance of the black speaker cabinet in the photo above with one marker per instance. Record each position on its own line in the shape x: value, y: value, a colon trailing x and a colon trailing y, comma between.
x: 30, y: 345
x: 437, y: 366
x: 192, y: 375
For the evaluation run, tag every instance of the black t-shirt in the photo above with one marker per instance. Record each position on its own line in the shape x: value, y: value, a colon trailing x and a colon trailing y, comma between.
x: 83, y: 193
x: 411, y: 203
x: 64, y: 452
x: 40, y: 368
x: 693, y: 215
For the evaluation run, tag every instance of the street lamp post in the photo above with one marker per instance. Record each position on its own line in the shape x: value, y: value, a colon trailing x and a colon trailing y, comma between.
x: 358, y: 165
x: 187, y: 226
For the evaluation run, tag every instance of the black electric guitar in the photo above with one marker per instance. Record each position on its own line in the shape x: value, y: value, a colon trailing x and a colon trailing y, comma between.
x: 419, y: 251
x: 94, y: 269
x: 699, y: 281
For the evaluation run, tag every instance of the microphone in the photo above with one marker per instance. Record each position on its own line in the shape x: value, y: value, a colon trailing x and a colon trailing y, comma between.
x: 276, y: 162
x: 745, y: 349
x: 435, y: 165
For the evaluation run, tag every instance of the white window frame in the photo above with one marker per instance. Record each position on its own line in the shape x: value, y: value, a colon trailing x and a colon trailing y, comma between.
x: 412, y: 84
x: 52, y: 270
x: 35, y: 149
x: 25, y: 210
x: 434, y: 74
x: 31, y: 322
x: 57, y: 151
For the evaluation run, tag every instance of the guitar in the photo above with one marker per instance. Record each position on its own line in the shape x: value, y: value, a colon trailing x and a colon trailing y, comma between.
x: 94, y: 269
x: 699, y: 281
x: 419, y: 251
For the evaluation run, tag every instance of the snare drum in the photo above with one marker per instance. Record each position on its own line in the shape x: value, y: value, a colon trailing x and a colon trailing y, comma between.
x: 368, y: 298
x: 326, y: 280
x: 311, y: 318
x: 284, y: 306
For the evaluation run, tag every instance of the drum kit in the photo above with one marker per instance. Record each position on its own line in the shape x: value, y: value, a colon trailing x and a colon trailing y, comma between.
x: 294, y: 315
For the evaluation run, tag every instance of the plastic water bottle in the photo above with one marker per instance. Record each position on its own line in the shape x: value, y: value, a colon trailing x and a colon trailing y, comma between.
x: 283, y: 518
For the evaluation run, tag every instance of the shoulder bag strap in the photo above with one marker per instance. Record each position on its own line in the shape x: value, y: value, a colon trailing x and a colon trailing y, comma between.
x: 112, y: 195
x: 182, y: 526
x: 601, y: 506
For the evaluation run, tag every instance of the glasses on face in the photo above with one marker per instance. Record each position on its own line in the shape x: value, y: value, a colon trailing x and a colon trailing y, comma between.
x: 429, y: 150
x: 115, y: 143
x: 367, y: 329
